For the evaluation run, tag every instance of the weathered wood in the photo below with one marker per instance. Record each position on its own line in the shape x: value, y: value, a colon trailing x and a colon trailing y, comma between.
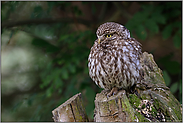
x: 152, y: 100
x: 71, y: 111
x: 114, y: 109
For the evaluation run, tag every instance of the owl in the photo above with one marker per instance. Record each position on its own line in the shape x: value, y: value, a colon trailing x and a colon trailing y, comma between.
x: 114, y: 59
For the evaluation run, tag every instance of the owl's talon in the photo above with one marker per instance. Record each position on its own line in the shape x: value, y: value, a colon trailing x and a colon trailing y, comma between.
x: 107, y: 96
x: 113, y: 92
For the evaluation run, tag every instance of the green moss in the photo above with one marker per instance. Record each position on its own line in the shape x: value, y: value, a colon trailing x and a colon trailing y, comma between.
x: 134, y: 100
x: 145, y: 96
x: 175, y: 106
x: 143, y: 106
x: 111, y: 102
x: 153, y: 111
x: 128, y: 108
x: 156, y: 103
x: 104, y: 106
x: 159, y: 78
x: 140, y: 117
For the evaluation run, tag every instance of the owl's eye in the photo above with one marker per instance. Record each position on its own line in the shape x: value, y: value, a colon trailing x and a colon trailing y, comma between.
x: 108, y: 35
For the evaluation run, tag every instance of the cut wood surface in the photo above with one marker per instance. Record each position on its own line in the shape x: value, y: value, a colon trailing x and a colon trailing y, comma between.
x: 71, y: 111
x: 116, y: 108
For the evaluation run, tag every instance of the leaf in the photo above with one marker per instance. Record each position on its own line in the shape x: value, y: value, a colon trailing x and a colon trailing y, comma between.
x: 65, y: 74
x: 174, y: 87
x: 175, y: 13
x: 130, y: 25
x: 46, y: 81
x: 166, y: 78
x: 54, y: 76
x: 141, y: 32
x: 38, y: 9
x: 158, y: 17
x: 177, y: 24
x: 177, y: 40
x: 37, y: 12
x: 139, y: 18
x: 76, y: 10
x: 167, y: 31
x: 58, y: 82
x: 152, y: 26
x: 148, y: 8
x: 49, y: 91
x: 72, y: 68
x: 50, y: 5
x: 173, y: 67
x: 64, y: 37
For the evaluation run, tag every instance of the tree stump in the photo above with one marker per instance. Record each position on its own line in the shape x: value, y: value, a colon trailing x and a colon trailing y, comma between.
x: 71, y: 111
x: 151, y: 101
x: 116, y: 108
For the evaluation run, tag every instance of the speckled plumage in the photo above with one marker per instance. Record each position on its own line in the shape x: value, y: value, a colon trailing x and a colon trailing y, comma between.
x: 114, y: 59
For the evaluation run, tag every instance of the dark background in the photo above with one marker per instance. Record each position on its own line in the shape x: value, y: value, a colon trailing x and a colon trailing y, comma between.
x: 45, y: 47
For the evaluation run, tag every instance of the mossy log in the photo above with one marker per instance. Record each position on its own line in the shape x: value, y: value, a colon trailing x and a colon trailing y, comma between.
x: 151, y: 101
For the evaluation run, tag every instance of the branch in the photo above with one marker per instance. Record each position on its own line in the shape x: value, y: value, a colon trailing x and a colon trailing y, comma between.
x: 43, y: 21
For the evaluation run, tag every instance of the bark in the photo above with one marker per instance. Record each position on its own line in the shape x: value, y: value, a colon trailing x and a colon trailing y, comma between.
x: 113, y: 109
x: 71, y: 111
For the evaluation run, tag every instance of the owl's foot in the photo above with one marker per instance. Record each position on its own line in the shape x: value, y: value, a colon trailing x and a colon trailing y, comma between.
x: 113, y: 92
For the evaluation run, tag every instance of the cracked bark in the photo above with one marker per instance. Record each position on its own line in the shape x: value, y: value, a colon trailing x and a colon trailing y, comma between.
x: 116, y: 108
x: 70, y: 111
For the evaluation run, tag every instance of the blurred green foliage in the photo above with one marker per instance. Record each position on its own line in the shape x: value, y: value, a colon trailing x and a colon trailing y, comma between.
x: 61, y: 70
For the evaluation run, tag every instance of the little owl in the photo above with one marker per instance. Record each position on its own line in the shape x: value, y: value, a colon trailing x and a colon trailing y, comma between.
x: 114, y: 59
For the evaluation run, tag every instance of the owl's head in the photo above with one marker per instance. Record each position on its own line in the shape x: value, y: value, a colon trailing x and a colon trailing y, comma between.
x: 112, y: 30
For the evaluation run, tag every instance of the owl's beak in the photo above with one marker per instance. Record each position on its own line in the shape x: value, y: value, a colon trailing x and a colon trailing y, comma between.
x: 98, y: 40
